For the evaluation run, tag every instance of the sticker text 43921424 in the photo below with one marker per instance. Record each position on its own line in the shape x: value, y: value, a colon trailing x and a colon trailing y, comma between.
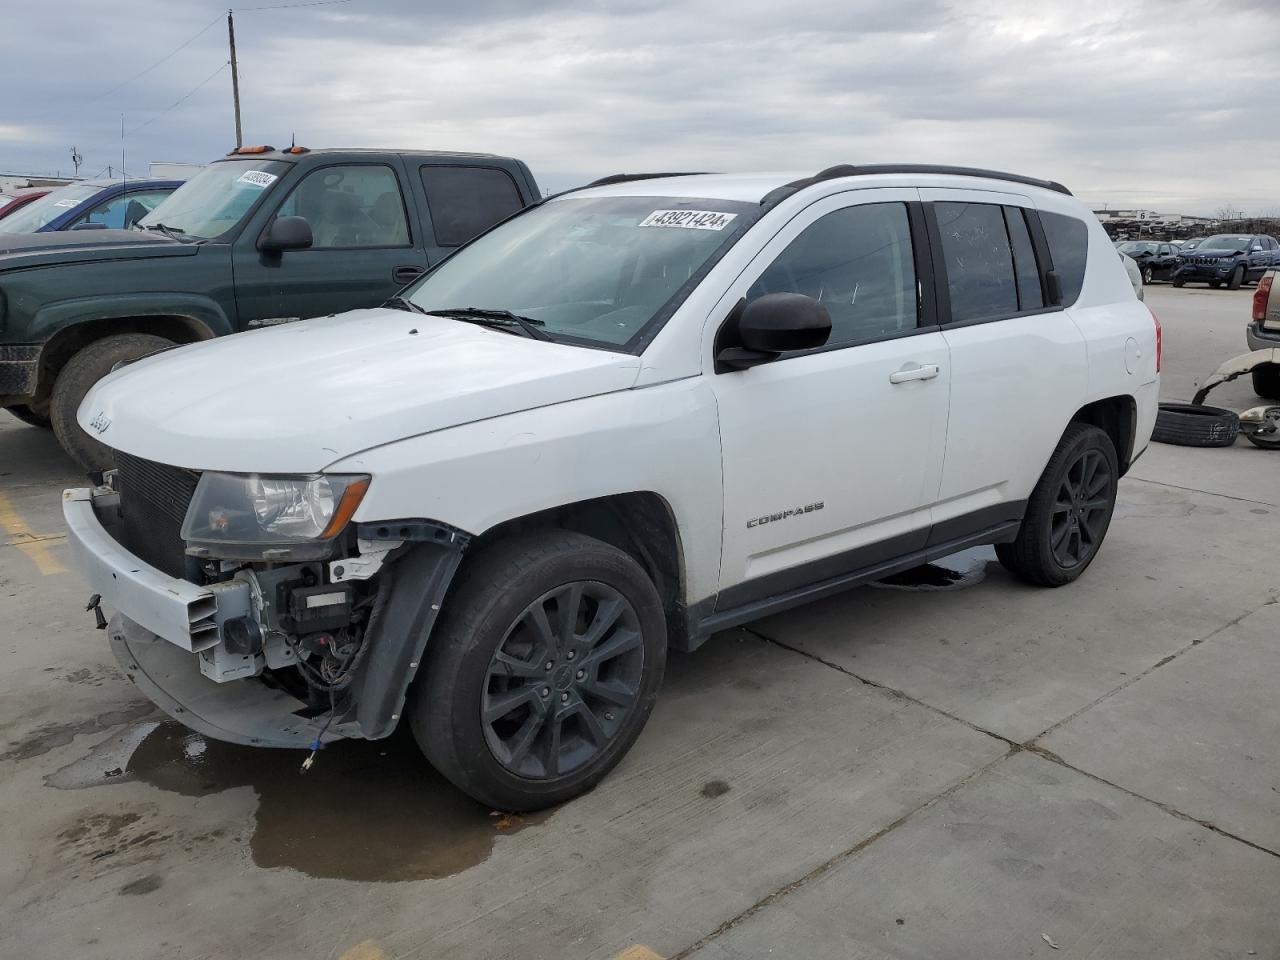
x: 688, y: 219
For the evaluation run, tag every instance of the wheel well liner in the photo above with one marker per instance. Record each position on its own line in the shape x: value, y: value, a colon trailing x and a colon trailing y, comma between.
x: 1118, y: 417
x: 64, y: 344
x: 640, y: 523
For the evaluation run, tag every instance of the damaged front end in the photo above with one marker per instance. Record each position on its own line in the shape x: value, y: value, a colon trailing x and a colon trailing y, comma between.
x: 253, y: 609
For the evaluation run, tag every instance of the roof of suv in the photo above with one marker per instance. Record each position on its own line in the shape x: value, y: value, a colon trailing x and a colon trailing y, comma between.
x: 770, y: 188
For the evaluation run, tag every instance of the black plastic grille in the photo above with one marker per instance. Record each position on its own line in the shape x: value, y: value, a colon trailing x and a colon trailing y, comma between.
x: 153, y: 503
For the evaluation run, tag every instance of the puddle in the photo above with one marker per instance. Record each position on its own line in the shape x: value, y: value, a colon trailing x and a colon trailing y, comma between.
x: 366, y: 811
x: 955, y: 572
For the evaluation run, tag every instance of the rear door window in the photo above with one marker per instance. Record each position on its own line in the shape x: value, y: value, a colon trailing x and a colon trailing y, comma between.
x: 981, y: 280
x: 1068, y: 239
x: 466, y: 201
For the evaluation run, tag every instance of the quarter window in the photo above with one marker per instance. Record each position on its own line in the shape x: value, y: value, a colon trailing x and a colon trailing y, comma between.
x: 979, y: 261
x: 1068, y: 239
x: 466, y: 201
x: 353, y: 206
x: 857, y: 262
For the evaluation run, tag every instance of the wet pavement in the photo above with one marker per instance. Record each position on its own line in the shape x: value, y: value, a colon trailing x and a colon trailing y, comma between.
x: 944, y: 764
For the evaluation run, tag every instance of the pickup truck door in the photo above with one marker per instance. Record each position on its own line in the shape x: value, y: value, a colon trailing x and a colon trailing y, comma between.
x: 364, y: 248
x: 832, y: 456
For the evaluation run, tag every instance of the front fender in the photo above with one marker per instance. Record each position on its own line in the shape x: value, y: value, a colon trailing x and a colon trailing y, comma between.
x: 1235, y: 368
x: 52, y: 318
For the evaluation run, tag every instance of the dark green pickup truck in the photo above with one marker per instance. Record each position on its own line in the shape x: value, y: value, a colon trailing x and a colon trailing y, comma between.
x: 262, y: 236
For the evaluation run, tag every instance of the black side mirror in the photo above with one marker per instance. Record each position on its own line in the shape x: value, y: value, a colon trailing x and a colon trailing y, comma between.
x: 286, y: 233
x: 1053, y: 283
x: 769, y: 326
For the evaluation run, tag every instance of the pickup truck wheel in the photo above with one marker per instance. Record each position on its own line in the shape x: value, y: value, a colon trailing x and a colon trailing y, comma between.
x: 542, y: 671
x: 1069, y: 511
x: 1266, y: 381
x: 1237, y: 278
x: 82, y: 371
x: 30, y: 417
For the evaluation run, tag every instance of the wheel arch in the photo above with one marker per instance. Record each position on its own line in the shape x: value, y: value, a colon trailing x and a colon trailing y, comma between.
x: 1117, y: 416
x: 66, y: 342
x: 640, y: 523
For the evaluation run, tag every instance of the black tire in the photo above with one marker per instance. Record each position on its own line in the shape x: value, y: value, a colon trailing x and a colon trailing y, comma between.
x: 1178, y: 281
x: 484, y: 615
x: 1237, y: 278
x: 1195, y: 425
x: 1266, y: 381
x: 1071, y: 505
x: 30, y: 417
x: 1148, y: 275
x: 1215, y: 284
x: 82, y: 371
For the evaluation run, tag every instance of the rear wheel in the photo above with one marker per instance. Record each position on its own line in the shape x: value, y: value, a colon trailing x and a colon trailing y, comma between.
x: 543, y: 670
x: 1148, y: 275
x: 82, y: 371
x: 1069, y: 511
x: 1237, y: 278
x: 30, y: 417
x: 1266, y: 381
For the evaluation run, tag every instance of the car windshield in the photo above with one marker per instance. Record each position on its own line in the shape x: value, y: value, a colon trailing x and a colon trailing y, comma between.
x: 215, y: 199
x: 37, y: 213
x: 1191, y: 244
x: 1134, y: 246
x: 1226, y: 241
x: 597, y: 270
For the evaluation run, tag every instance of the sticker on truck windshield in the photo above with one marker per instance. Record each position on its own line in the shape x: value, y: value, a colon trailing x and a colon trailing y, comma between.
x: 257, y: 178
x: 688, y: 219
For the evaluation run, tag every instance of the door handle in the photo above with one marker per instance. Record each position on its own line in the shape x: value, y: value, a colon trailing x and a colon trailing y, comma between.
x: 925, y: 371
x: 405, y: 274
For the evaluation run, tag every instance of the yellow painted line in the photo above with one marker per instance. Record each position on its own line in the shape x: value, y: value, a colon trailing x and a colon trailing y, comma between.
x: 34, y: 545
x: 638, y: 952
x: 365, y: 950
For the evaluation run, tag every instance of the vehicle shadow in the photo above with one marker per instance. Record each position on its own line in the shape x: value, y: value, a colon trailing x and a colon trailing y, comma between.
x: 31, y: 455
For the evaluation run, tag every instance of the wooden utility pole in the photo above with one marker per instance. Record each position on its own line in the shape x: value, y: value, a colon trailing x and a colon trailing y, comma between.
x: 235, y: 75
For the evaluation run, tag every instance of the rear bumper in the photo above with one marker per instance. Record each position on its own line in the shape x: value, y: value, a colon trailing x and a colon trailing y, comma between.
x: 1260, y: 339
x: 19, y: 373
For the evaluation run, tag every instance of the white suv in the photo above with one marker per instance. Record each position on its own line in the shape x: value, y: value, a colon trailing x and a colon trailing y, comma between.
x: 622, y: 420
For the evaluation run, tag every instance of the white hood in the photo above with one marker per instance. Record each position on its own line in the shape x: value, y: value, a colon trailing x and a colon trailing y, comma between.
x: 297, y: 397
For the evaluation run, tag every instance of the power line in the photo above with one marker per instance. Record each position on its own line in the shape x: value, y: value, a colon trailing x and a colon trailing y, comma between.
x: 180, y: 101
x: 282, y: 6
x: 163, y: 59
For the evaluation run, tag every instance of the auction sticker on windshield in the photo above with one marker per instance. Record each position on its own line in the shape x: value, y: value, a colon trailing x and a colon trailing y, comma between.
x: 688, y: 219
x: 257, y: 178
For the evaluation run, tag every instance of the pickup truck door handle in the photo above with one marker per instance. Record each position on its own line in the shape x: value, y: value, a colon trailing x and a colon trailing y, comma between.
x: 407, y: 273
x: 916, y: 371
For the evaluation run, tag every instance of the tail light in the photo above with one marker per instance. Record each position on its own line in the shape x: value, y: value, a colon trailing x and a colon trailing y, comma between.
x: 1260, y: 298
x: 1159, y: 338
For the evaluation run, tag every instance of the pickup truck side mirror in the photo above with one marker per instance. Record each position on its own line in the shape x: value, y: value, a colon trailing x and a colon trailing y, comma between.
x: 771, y: 325
x: 286, y: 233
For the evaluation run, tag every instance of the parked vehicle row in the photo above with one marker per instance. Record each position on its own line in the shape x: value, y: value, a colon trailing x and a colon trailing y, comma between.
x: 463, y: 510
x: 89, y: 204
x: 261, y: 237
x: 13, y: 202
x: 1228, y: 259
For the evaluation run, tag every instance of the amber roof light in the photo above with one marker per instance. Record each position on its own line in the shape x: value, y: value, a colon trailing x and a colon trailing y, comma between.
x: 250, y: 150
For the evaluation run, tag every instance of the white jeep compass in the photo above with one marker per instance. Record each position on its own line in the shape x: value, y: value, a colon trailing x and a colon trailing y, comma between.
x: 622, y: 420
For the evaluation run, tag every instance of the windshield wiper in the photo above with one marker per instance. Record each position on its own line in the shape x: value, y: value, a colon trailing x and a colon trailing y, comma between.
x: 503, y: 319
x: 400, y: 303
x: 173, y: 233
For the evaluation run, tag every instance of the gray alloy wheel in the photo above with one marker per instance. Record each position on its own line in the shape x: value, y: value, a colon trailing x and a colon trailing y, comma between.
x: 1148, y: 275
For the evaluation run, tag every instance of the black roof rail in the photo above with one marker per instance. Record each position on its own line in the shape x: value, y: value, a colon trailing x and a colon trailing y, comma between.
x: 627, y: 177
x: 849, y: 170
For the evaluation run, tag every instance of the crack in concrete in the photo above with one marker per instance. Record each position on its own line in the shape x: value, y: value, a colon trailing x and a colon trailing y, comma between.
x: 1207, y: 493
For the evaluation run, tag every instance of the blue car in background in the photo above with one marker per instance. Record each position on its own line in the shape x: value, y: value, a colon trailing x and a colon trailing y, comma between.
x: 89, y: 204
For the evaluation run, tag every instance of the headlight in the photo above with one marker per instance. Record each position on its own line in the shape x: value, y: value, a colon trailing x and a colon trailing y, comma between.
x: 253, y: 517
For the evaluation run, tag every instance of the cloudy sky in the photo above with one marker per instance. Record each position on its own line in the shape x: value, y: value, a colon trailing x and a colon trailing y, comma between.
x: 1167, y: 104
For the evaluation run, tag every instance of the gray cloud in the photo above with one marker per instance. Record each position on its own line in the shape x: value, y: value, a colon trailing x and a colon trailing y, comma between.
x: 1150, y: 102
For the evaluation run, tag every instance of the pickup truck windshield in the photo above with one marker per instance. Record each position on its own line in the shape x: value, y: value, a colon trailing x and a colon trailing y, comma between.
x: 215, y: 199
x: 39, y: 212
x: 598, y: 270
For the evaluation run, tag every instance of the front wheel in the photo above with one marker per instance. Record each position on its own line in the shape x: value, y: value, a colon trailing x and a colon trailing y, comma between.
x: 82, y: 371
x: 542, y: 671
x: 1237, y: 278
x: 1178, y: 281
x: 1069, y: 511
